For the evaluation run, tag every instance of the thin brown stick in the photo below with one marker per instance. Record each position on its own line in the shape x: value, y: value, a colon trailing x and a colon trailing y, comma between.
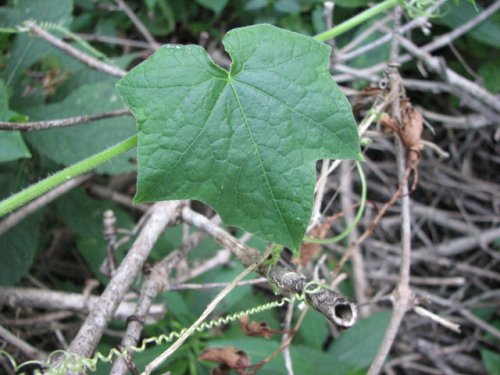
x: 403, y: 295
x: 114, y: 40
x: 285, y: 343
x: 138, y: 24
x: 480, y: 323
x: 28, y: 350
x: 90, y: 61
x: 367, y: 233
x: 60, y: 123
x: 187, y: 286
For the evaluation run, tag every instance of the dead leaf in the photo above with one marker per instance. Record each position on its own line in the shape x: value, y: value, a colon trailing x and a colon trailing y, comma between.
x: 228, y: 358
x: 256, y: 329
x: 308, y: 250
x: 410, y: 133
x: 413, y: 126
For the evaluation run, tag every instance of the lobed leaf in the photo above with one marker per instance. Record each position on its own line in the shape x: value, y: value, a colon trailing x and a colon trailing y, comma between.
x: 245, y: 141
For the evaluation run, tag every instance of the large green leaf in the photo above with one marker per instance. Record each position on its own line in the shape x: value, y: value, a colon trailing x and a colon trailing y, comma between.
x: 245, y: 141
x: 69, y: 145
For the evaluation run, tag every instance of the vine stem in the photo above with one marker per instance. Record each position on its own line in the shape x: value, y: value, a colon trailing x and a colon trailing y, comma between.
x: 49, y: 183
x: 356, y: 220
x: 356, y: 20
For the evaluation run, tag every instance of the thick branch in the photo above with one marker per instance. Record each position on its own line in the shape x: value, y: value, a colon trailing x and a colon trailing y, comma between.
x: 62, y: 301
x: 87, y: 338
x: 338, y: 309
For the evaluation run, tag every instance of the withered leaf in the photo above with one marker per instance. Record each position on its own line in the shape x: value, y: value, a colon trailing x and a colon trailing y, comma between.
x: 413, y: 126
x: 228, y: 357
x: 310, y: 250
x: 256, y: 329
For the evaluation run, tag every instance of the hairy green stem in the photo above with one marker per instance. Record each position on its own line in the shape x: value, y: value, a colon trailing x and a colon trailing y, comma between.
x: 356, y: 20
x: 49, y: 183
x: 356, y: 220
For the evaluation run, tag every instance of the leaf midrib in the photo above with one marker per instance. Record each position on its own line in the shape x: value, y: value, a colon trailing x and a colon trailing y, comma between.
x: 249, y: 130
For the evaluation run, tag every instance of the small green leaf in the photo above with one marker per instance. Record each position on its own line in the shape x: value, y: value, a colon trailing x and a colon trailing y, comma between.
x: 12, y: 146
x: 245, y: 142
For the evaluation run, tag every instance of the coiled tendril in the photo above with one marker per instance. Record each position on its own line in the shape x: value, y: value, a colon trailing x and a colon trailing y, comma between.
x: 70, y: 362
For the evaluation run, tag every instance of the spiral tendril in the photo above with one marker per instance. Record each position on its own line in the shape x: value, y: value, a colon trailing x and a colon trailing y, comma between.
x: 74, y: 363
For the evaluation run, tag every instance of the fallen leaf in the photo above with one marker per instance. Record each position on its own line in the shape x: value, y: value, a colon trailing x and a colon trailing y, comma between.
x: 228, y: 358
x: 259, y: 329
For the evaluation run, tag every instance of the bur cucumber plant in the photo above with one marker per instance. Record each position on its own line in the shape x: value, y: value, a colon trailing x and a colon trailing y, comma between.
x: 243, y: 141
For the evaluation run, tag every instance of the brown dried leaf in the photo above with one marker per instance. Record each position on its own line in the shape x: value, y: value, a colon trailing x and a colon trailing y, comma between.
x: 413, y: 126
x: 389, y: 123
x: 230, y: 356
x: 364, y: 99
x: 256, y: 329
x: 310, y: 250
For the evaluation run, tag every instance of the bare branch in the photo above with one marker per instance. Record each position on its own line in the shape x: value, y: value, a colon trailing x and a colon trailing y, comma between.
x: 28, y: 350
x: 87, y: 338
x: 60, y: 123
x: 338, y: 309
x: 403, y: 295
x: 73, y: 52
x: 77, y: 303
x: 138, y: 24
